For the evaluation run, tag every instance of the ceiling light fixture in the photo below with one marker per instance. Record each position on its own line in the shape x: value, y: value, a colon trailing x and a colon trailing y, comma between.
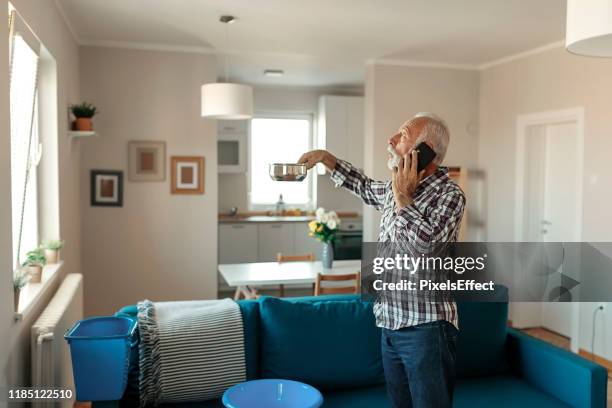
x: 274, y: 73
x: 589, y: 28
x: 225, y: 100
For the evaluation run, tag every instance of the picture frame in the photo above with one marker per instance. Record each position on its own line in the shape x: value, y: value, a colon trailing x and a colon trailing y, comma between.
x: 187, y: 175
x: 146, y: 161
x: 106, y: 188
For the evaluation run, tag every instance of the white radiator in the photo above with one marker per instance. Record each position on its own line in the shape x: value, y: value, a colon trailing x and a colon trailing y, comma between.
x: 51, y: 365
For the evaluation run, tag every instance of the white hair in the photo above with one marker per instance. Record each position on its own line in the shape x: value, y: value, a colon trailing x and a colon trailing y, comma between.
x: 436, y: 133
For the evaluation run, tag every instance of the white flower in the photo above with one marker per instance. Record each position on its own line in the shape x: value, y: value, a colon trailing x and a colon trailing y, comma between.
x: 319, y: 213
x: 332, y: 224
x: 324, y: 218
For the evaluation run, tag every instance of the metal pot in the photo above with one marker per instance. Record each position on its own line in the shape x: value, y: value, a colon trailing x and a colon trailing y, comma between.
x: 287, y: 171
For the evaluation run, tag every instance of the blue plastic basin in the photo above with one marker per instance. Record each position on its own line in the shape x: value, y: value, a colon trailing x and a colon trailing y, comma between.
x: 272, y: 394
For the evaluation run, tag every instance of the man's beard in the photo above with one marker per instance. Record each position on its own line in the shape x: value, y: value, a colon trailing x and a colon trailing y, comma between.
x: 394, y: 160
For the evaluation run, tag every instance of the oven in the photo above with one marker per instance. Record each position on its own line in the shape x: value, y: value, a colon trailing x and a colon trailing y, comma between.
x: 349, y: 240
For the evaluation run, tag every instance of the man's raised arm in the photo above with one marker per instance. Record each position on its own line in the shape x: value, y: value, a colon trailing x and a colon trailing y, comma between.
x: 343, y: 174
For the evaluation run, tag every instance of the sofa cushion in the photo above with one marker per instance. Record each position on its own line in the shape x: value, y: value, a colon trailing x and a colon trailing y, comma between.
x: 481, y: 344
x: 250, y: 322
x: 501, y: 391
x: 367, y: 397
x: 329, y: 344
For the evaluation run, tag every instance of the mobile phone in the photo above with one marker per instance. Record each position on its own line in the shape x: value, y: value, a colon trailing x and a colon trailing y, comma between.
x: 425, y: 156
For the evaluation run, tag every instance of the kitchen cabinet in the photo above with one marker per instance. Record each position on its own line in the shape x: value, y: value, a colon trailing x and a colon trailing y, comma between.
x: 305, y: 244
x: 238, y: 243
x: 225, y: 127
x: 341, y: 127
x: 243, y: 242
x: 275, y: 237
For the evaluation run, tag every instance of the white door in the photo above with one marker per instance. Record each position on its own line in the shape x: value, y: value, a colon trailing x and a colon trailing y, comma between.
x: 561, y: 201
x: 551, y: 201
x: 559, y: 223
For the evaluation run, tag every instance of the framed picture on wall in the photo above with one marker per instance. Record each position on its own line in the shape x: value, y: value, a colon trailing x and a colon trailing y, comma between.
x: 187, y: 173
x: 106, y: 188
x: 146, y: 161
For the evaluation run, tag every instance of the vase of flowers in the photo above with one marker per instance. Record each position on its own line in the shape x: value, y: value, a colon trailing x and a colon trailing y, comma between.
x: 324, y: 229
x: 35, y: 260
x: 20, y: 279
x: 52, y: 250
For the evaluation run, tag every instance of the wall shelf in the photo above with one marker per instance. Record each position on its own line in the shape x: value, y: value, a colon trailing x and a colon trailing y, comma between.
x: 80, y: 133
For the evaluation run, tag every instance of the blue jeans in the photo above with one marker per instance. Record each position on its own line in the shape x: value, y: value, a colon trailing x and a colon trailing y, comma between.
x: 419, y: 364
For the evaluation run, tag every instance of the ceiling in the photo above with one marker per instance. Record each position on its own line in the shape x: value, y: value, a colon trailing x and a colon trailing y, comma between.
x: 323, y: 42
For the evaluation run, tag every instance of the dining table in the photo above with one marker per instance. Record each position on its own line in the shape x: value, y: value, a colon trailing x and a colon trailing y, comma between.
x: 246, y: 277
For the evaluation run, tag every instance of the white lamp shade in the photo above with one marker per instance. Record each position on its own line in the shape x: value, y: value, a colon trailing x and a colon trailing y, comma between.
x: 589, y: 27
x: 227, y: 101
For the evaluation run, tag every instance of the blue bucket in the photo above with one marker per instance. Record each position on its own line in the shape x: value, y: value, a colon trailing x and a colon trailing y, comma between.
x: 100, y: 350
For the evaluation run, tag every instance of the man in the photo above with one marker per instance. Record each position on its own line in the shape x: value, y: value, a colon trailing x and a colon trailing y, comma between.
x: 419, y: 210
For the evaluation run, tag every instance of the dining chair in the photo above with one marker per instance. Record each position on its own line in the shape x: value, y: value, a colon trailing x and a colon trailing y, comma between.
x: 280, y: 258
x: 334, y: 290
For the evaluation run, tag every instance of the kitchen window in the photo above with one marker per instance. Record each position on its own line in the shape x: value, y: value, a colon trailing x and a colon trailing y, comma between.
x: 279, y: 139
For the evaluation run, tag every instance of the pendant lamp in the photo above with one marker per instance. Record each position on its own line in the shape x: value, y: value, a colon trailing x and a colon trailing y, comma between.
x: 589, y: 27
x: 224, y: 100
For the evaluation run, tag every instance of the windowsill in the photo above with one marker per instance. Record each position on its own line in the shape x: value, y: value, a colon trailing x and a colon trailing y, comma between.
x: 32, y: 292
x: 288, y: 206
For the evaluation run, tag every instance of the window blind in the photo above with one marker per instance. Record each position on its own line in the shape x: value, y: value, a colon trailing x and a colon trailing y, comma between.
x: 25, y: 145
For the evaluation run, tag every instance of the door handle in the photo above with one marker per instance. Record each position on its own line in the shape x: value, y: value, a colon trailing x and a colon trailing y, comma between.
x: 544, y: 222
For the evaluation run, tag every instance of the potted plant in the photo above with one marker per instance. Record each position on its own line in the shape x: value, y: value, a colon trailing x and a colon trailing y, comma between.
x: 35, y: 260
x: 52, y: 250
x: 324, y: 229
x: 83, y: 112
x: 20, y: 279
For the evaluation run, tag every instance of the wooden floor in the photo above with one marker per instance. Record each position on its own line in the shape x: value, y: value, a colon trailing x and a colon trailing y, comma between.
x: 563, y: 342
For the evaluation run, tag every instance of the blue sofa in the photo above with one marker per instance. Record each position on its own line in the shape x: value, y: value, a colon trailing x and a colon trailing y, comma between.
x: 331, y: 342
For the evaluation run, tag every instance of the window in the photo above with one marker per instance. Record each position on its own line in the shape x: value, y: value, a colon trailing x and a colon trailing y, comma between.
x: 279, y: 140
x: 25, y: 146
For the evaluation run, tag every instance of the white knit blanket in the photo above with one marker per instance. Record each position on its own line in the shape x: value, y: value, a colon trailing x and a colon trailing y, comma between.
x: 189, y: 351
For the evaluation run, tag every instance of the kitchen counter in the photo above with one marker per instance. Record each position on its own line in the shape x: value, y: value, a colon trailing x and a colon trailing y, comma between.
x: 227, y: 219
x: 265, y: 218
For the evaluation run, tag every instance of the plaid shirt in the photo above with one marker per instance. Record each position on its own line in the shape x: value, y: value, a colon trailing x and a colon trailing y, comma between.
x: 433, y: 217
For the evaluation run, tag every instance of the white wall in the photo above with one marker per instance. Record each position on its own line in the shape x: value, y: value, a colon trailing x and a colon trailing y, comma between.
x: 48, y: 25
x: 550, y: 80
x: 395, y: 93
x: 6, y: 254
x: 233, y: 188
x: 157, y: 246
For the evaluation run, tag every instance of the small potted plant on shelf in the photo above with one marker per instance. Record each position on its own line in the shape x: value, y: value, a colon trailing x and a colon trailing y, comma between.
x: 20, y: 279
x: 35, y: 260
x: 52, y: 250
x: 324, y: 229
x: 83, y: 112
